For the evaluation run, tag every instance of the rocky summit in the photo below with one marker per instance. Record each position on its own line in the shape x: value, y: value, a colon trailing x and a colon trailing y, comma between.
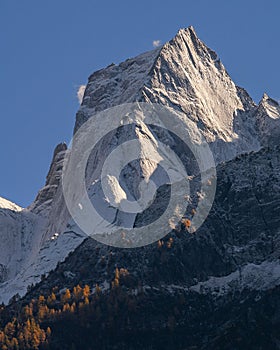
x: 212, y: 289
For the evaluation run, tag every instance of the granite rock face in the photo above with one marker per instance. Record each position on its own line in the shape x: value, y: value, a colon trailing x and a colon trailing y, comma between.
x: 267, y: 120
x: 187, y: 76
x: 215, y: 289
x: 238, y: 245
x: 242, y: 229
x: 47, y: 193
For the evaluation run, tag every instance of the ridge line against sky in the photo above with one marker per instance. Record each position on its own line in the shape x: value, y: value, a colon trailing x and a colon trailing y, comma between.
x: 50, y: 48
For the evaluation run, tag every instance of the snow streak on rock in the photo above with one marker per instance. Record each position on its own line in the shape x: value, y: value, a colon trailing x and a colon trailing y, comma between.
x: 183, y: 74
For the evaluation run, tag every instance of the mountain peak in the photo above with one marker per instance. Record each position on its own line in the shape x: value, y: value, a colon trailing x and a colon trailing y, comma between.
x: 183, y: 74
x: 124, y: 82
x: 269, y: 107
x: 187, y: 31
x: 265, y: 97
x: 188, y: 37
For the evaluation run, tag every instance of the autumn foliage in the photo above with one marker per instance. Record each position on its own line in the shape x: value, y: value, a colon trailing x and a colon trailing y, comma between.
x: 31, y: 325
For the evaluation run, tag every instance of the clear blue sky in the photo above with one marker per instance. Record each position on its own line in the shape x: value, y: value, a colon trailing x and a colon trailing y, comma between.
x: 49, y: 48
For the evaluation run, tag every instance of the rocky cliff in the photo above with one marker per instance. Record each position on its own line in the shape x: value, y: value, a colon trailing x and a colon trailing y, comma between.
x: 241, y: 232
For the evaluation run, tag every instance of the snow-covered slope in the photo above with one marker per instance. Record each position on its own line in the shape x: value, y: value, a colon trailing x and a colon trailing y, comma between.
x: 10, y: 218
x: 183, y: 74
x: 31, y: 244
x: 19, y: 239
x: 5, y: 204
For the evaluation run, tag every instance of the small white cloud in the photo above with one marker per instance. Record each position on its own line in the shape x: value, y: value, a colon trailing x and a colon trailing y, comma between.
x: 80, y: 93
x: 156, y: 43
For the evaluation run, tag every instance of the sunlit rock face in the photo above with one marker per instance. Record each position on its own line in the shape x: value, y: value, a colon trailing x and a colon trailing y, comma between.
x: 186, y: 75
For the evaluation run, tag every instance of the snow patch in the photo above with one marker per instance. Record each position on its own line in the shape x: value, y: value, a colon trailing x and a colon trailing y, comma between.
x: 6, y: 204
x: 251, y: 276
